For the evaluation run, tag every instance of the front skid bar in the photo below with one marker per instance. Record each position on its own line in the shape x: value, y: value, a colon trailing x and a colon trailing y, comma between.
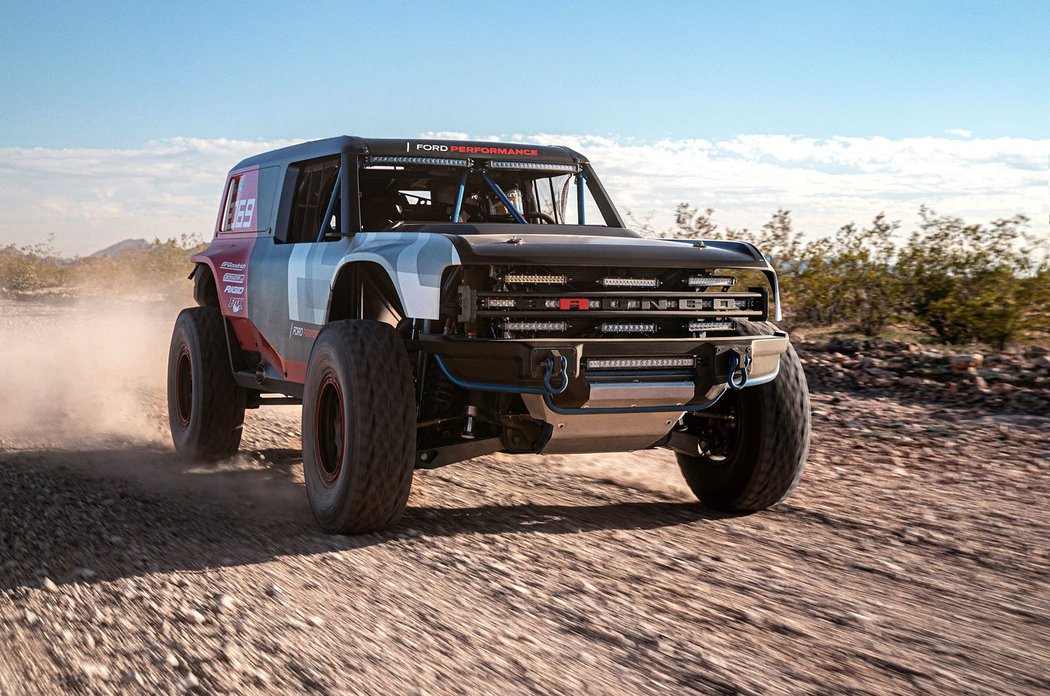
x: 548, y: 391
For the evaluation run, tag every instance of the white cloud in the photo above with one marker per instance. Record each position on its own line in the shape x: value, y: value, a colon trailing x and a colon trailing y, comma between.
x: 90, y: 198
x: 961, y: 132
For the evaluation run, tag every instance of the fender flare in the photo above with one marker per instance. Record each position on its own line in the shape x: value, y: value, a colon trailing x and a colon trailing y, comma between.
x: 346, y: 299
x: 205, y: 290
x: 413, y: 263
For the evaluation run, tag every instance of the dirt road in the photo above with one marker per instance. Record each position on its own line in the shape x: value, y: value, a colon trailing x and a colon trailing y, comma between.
x: 912, y: 558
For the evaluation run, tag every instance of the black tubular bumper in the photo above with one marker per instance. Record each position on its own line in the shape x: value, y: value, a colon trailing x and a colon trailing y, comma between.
x: 520, y: 366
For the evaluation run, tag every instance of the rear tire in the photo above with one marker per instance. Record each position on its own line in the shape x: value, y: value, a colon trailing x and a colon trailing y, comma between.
x: 767, y: 443
x: 359, y: 427
x: 205, y: 405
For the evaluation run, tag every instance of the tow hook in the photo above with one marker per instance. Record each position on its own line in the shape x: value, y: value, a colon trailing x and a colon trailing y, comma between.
x: 557, y: 364
x: 739, y: 361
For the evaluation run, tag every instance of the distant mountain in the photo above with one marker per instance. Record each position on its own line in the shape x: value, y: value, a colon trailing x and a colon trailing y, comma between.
x: 128, y: 245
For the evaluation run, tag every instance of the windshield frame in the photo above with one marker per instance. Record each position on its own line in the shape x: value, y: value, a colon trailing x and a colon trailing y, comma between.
x: 583, y: 176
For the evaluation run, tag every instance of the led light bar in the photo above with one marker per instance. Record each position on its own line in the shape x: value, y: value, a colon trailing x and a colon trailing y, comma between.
x: 640, y: 363
x: 711, y: 325
x: 499, y: 302
x: 542, y: 166
x: 535, y: 279
x: 618, y: 327
x: 432, y: 161
x: 630, y: 282
x: 711, y: 281
x: 535, y: 325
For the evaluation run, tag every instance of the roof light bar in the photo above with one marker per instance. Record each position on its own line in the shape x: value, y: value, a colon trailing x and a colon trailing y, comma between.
x: 630, y: 282
x: 681, y: 361
x: 711, y: 325
x: 535, y: 325
x: 619, y: 327
x: 711, y: 281
x: 540, y: 166
x: 432, y: 161
x: 535, y: 279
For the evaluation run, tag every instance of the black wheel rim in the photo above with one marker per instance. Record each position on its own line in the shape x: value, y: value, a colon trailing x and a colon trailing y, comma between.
x: 184, y: 386
x: 330, y: 428
x: 722, y: 433
x: 727, y: 441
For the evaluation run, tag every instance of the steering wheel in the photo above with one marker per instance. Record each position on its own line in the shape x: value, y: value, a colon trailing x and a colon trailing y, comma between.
x: 542, y: 217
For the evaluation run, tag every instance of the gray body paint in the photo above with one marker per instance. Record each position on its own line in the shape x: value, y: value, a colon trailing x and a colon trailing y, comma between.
x: 290, y: 285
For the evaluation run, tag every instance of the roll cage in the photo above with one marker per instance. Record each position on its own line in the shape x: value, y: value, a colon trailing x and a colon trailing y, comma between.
x: 343, y: 214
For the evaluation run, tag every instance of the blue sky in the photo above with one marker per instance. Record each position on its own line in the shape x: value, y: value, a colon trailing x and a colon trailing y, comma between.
x: 120, y: 74
x: 120, y: 119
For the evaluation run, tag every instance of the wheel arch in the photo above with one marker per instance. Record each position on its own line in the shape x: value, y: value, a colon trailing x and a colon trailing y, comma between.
x: 365, y: 290
x: 205, y: 291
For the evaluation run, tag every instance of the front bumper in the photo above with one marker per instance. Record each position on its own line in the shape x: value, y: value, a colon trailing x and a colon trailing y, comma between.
x: 519, y: 366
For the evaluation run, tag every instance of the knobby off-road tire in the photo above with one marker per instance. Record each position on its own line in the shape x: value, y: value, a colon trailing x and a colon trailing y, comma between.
x: 769, y: 446
x: 205, y: 405
x: 359, y: 427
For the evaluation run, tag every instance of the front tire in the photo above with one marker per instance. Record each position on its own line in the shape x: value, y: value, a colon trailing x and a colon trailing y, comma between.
x: 761, y: 435
x: 359, y: 427
x: 205, y: 405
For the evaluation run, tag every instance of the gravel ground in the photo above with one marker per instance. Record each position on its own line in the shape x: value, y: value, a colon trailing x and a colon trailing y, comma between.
x: 912, y: 558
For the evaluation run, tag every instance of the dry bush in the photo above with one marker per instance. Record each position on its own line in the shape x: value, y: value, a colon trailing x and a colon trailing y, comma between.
x: 957, y: 281
x: 155, y: 268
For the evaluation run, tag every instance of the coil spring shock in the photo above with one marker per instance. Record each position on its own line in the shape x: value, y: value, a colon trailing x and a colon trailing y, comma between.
x: 441, y: 399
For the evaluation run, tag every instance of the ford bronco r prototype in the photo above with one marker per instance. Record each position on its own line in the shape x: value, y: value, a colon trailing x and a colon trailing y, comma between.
x: 431, y: 301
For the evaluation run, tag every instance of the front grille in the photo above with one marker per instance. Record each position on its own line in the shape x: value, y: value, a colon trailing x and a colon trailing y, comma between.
x: 605, y: 303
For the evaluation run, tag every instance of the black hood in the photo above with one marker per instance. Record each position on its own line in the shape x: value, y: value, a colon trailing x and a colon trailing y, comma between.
x: 564, y: 245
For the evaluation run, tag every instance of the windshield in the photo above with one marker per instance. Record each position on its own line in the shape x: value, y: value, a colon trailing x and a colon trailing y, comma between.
x: 396, y: 194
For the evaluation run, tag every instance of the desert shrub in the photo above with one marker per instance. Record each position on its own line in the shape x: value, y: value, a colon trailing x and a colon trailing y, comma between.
x: 845, y: 278
x: 30, y: 268
x: 961, y: 282
x: 152, y: 267
x: 864, y: 279
x: 1037, y: 288
x: 972, y: 282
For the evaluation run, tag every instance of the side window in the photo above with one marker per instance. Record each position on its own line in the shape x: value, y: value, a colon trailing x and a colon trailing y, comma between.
x: 313, y: 189
x: 570, y: 202
x: 239, y: 209
x: 550, y: 195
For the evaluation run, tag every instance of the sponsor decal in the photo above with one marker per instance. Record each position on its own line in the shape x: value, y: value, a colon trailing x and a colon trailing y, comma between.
x: 236, y: 304
x: 230, y: 265
x: 233, y: 278
x: 477, y: 149
x: 234, y: 289
x: 298, y: 331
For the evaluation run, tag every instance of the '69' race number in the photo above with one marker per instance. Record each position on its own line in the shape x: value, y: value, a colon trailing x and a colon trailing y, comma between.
x: 241, y: 195
x: 243, y: 214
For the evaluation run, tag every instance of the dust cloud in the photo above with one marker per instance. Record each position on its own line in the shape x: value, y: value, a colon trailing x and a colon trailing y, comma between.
x: 78, y: 372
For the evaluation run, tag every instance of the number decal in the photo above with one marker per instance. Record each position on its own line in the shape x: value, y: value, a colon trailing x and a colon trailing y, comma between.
x: 243, y: 217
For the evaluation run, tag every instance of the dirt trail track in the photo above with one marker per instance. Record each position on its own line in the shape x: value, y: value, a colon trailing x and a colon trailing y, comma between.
x: 912, y: 558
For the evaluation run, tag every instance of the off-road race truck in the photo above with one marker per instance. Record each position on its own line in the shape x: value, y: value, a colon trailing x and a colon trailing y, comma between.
x: 432, y: 301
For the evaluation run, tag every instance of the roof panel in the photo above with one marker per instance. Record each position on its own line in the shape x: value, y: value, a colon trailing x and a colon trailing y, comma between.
x: 393, y: 146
